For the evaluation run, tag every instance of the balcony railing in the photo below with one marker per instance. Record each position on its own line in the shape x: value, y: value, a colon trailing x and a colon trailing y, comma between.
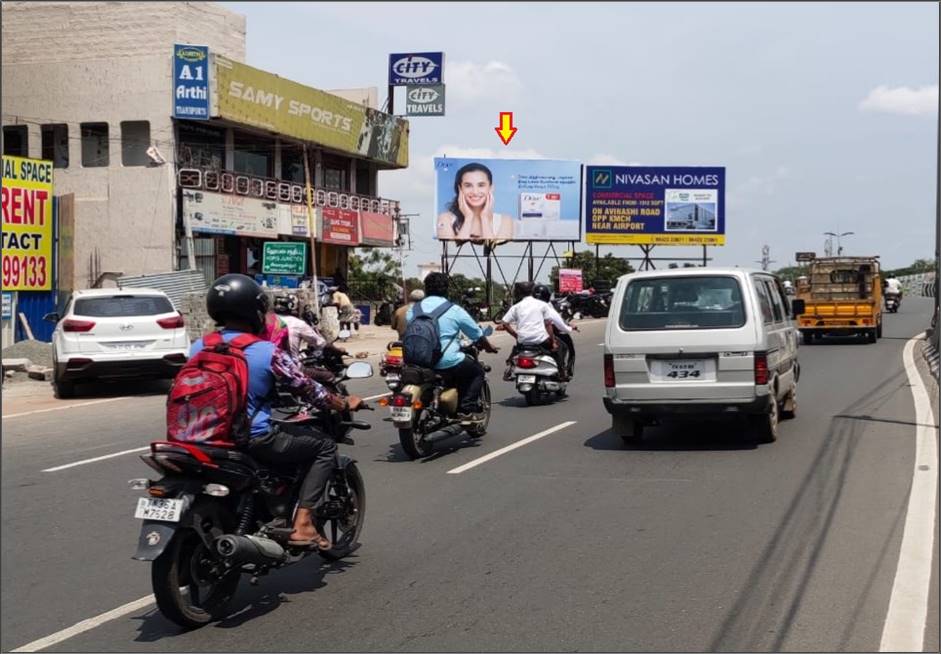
x: 252, y: 186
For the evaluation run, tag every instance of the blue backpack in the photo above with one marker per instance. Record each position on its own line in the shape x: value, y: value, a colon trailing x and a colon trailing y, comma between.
x: 422, y: 341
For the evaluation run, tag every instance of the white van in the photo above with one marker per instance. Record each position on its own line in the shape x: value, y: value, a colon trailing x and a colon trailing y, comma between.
x: 701, y: 342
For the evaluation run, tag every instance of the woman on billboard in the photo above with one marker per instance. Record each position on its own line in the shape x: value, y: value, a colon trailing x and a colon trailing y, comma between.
x: 470, y: 216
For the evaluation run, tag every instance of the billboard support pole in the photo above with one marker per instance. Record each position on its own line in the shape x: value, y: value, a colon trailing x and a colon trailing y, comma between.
x: 530, y: 247
x: 704, y: 259
x: 597, y: 261
x: 488, y: 287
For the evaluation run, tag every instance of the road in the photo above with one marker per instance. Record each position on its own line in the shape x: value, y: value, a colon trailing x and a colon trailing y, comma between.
x: 695, y: 540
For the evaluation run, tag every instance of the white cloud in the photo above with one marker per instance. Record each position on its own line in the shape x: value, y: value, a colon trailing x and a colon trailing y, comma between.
x: 604, y: 159
x: 902, y: 100
x: 470, y: 81
x: 758, y: 187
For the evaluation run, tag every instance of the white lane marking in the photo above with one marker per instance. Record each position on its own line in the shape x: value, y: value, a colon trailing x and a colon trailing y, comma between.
x: 905, y: 621
x: 509, y: 448
x: 376, y: 397
x: 86, y: 625
x: 97, y: 458
x: 62, y: 408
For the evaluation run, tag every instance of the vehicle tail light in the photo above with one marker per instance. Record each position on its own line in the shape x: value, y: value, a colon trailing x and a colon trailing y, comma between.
x: 72, y: 325
x: 609, y: 371
x: 401, y: 400
x: 393, y: 361
x: 173, y: 322
x: 761, y: 368
x: 384, y: 401
x: 417, y: 404
x: 525, y: 362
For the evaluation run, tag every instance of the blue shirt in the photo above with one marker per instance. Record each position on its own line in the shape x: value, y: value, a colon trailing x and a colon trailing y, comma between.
x: 454, y: 321
x: 261, y: 380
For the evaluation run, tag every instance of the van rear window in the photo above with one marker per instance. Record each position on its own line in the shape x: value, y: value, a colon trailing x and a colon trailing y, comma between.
x: 668, y: 303
x: 122, y: 306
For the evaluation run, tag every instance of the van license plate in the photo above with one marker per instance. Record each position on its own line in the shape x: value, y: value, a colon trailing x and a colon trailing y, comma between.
x: 155, y: 508
x: 685, y: 369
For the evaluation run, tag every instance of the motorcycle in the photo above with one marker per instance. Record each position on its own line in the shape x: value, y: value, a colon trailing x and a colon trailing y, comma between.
x: 892, y: 302
x: 563, y: 305
x: 390, y: 365
x: 472, y: 304
x: 424, y: 410
x: 216, y: 513
x: 537, y: 374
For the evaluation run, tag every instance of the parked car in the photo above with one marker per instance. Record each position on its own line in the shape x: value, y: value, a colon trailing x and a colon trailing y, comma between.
x: 113, y: 333
x: 701, y: 342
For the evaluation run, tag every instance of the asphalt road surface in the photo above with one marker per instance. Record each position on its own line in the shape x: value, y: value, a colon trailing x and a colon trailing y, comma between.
x: 695, y: 540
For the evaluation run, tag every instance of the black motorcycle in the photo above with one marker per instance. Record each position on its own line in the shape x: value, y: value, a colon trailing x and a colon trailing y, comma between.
x: 216, y: 513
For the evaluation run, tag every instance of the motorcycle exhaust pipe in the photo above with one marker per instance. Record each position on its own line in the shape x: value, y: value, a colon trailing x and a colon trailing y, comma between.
x: 249, y: 549
x: 446, y: 432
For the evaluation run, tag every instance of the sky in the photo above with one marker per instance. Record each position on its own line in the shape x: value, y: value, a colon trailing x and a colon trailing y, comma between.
x: 824, y: 115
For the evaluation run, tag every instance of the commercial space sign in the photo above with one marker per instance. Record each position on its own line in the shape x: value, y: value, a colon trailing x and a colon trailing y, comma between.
x: 642, y: 205
x: 221, y: 213
x: 254, y: 97
x: 377, y: 229
x: 27, y: 224
x: 570, y: 280
x: 416, y: 68
x: 281, y: 258
x: 424, y: 100
x: 340, y: 226
x: 507, y: 200
x: 191, y: 81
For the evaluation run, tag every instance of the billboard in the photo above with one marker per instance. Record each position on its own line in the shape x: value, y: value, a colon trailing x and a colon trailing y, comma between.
x: 221, y: 213
x: 283, y: 258
x: 424, y: 100
x: 507, y: 200
x: 254, y: 97
x: 416, y: 68
x: 27, y: 224
x: 570, y: 280
x: 340, y: 226
x: 377, y: 228
x: 191, y: 81
x: 644, y: 205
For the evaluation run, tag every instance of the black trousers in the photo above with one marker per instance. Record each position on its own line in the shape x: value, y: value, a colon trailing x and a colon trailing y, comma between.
x: 468, y: 378
x: 569, y: 345
x: 287, y: 445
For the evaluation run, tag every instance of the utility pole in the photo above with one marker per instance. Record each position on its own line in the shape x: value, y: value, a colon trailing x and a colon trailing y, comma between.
x: 839, y: 246
x: 766, y: 259
x: 401, y: 248
x: 311, y: 226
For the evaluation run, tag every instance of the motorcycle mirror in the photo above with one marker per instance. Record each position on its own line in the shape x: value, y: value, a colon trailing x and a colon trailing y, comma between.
x: 488, y: 331
x: 359, y: 370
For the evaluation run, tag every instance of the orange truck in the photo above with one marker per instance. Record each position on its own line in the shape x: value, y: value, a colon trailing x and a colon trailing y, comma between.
x: 842, y: 297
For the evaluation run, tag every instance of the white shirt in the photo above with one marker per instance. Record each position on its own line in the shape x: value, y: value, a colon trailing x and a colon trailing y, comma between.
x: 298, y: 331
x: 894, y: 285
x: 530, y: 316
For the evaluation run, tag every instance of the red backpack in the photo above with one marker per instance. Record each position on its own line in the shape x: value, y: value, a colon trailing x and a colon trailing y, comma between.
x: 208, y: 401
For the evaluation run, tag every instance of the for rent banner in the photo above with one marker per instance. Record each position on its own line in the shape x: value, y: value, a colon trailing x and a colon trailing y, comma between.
x: 27, y: 224
x: 642, y: 205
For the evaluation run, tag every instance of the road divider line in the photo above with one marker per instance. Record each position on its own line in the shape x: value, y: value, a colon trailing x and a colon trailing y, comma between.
x: 86, y: 625
x: 63, y: 408
x: 509, y: 448
x: 904, y: 629
x: 97, y: 458
x: 376, y: 397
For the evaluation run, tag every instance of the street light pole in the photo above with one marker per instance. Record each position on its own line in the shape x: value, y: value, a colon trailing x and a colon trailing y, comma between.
x: 839, y: 247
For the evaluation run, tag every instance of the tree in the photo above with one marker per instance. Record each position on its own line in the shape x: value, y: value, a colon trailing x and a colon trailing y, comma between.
x: 375, y: 275
x: 609, y: 267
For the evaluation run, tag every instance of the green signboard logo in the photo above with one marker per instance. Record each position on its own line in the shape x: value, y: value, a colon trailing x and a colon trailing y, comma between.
x: 283, y: 258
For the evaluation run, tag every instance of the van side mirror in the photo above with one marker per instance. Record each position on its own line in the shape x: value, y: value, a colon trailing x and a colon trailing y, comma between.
x: 52, y: 317
x: 797, y: 308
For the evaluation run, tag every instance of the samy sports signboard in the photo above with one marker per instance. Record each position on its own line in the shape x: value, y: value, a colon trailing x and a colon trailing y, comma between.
x: 27, y: 224
x: 645, y: 205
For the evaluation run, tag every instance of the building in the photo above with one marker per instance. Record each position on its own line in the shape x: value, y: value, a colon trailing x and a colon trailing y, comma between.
x: 93, y: 85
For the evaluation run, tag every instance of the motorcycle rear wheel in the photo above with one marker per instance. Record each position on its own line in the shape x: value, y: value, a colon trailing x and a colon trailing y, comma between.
x: 344, y: 533
x: 411, y: 441
x: 175, y: 578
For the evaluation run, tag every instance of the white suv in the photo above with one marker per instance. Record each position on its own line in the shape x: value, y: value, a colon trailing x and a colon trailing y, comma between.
x: 116, y: 333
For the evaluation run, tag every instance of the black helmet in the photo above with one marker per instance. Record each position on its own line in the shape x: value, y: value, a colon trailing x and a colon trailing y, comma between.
x: 237, y: 297
x: 542, y: 292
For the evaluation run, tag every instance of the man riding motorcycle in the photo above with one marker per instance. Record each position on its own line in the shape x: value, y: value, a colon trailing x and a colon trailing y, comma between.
x: 530, y: 315
x: 298, y: 330
x: 893, y: 289
x: 239, y: 305
x: 542, y: 292
x: 457, y: 369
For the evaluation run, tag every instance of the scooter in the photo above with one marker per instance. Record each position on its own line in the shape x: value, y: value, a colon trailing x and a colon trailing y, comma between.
x: 390, y: 365
x: 892, y: 302
x: 537, y: 375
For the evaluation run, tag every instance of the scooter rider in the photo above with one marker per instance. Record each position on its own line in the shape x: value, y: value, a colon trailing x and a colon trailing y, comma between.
x: 530, y: 316
x: 542, y: 292
x: 239, y: 305
x: 893, y: 287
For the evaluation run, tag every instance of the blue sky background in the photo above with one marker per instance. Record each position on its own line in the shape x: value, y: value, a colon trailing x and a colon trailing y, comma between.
x: 823, y: 114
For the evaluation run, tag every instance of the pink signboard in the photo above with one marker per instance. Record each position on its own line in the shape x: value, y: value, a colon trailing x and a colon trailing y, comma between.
x: 570, y: 280
x: 377, y: 228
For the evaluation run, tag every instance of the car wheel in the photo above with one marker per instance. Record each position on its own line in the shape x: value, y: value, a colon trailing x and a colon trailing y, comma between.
x: 764, y: 426
x: 63, y: 390
x: 789, y: 406
x: 879, y: 331
x: 630, y: 430
x: 871, y: 336
x: 808, y: 338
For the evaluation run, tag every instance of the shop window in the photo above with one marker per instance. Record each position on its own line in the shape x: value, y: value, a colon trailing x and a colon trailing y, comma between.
x: 254, y: 155
x: 200, y: 146
x: 336, y: 173
x: 364, y: 180
x: 15, y: 140
x: 135, y: 140
x: 95, y: 152
x: 55, y: 144
x: 292, y: 163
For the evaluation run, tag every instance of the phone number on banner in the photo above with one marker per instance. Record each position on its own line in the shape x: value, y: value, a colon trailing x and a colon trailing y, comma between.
x: 27, y: 270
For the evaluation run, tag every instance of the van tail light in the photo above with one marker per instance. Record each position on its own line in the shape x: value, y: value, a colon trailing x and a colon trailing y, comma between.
x: 525, y: 362
x: 761, y: 368
x: 401, y: 400
x: 609, y: 371
x: 72, y: 325
x: 173, y: 322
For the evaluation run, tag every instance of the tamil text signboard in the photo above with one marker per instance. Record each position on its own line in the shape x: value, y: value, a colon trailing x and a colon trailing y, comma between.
x: 340, y: 226
x: 570, y: 280
x: 282, y: 258
x: 424, y: 100
x: 507, y: 200
x: 254, y: 97
x: 221, y: 213
x: 643, y: 205
x: 416, y: 68
x: 191, y: 82
x: 27, y: 224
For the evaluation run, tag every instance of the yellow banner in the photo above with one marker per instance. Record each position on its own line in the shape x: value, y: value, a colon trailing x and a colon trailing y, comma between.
x: 27, y: 224
x: 655, y: 239
x: 254, y: 97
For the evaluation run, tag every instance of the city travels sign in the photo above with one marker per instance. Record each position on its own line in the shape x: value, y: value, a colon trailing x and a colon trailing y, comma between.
x: 416, y: 68
x: 641, y: 205
x: 254, y: 97
x: 191, y: 82
x: 27, y: 224
x: 424, y: 100
x: 282, y: 258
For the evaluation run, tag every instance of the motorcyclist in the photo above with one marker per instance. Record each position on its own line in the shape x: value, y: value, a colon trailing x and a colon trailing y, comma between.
x: 542, y: 292
x: 457, y: 369
x: 400, y: 317
x: 530, y: 316
x: 297, y: 331
x: 239, y: 305
x: 893, y: 287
